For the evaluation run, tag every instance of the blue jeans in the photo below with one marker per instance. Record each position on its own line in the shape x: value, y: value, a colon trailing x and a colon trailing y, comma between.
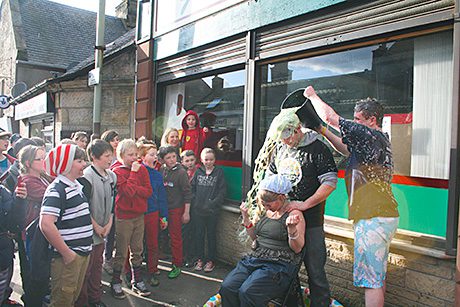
x: 315, y: 260
x: 255, y: 281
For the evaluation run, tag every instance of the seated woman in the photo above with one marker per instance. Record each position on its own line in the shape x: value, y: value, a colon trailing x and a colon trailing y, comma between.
x: 266, y: 273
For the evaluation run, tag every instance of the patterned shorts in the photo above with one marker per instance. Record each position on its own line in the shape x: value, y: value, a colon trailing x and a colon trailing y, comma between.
x: 372, y: 244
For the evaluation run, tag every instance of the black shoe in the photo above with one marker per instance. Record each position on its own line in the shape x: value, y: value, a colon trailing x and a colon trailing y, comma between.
x: 117, y: 292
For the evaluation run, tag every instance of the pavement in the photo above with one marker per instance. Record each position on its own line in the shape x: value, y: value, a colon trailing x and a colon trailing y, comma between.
x: 190, y: 289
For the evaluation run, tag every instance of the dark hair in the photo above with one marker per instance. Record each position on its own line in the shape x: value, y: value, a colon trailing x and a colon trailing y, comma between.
x: 187, y: 153
x: 80, y: 154
x: 20, y: 144
x: 370, y: 107
x: 97, y: 148
x: 164, y: 150
x: 79, y: 135
x: 109, y: 135
x: 39, y: 141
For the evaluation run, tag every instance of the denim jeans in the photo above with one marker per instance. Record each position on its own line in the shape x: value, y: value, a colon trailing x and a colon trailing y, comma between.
x: 315, y: 260
x: 255, y: 281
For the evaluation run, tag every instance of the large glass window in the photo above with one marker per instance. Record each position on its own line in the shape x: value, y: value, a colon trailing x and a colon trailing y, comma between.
x: 219, y: 102
x: 411, y: 77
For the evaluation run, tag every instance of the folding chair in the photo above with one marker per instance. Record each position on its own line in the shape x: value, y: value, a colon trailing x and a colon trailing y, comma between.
x: 294, y: 294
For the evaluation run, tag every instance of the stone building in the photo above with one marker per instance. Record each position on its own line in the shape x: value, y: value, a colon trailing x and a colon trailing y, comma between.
x: 47, y: 43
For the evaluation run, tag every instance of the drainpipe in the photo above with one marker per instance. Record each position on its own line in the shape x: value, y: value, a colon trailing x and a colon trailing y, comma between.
x: 98, y: 57
x: 456, y: 102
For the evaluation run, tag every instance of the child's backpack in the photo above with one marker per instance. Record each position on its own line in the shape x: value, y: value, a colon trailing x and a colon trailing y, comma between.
x: 40, y: 252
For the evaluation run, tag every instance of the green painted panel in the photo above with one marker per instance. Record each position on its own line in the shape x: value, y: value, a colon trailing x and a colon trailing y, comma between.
x: 236, y: 19
x: 421, y: 209
x: 233, y: 176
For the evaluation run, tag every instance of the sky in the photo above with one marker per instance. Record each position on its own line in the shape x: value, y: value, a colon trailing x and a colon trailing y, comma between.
x: 92, y: 5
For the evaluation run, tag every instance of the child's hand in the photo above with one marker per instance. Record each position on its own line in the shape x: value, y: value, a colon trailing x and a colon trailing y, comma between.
x: 21, y: 190
x: 206, y: 129
x: 164, y: 225
x: 99, y: 230
x: 136, y: 166
x: 69, y: 257
x: 185, y: 218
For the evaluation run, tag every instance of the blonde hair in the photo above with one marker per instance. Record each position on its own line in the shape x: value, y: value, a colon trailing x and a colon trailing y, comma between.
x: 208, y: 150
x: 164, y: 138
x: 124, y: 146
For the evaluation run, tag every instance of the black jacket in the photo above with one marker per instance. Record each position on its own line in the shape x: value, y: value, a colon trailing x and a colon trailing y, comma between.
x: 12, y: 213
x: 208, y: 190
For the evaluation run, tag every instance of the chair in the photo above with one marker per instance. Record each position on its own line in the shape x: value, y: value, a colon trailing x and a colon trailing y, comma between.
x: 294, y: 295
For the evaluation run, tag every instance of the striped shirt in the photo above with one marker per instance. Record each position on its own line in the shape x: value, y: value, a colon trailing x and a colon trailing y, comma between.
x: 75, y: 227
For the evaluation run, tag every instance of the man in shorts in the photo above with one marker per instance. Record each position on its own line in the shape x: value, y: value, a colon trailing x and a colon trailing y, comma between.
x: 368, y: 175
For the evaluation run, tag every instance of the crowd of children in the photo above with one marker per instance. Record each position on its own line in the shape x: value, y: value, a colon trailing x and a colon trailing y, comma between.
x: 79, y: 212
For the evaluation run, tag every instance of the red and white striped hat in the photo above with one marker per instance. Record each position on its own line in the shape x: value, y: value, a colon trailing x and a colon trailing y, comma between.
x: 59, y: 160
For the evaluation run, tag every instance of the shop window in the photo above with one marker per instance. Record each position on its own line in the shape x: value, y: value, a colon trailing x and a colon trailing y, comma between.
x: 219, y: 102
x: 413, y: 80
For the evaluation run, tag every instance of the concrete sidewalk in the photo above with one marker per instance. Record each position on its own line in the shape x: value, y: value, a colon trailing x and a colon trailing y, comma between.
x: 190, y: 289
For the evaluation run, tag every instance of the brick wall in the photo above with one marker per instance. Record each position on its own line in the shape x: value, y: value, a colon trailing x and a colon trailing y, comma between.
x: 413, y: 279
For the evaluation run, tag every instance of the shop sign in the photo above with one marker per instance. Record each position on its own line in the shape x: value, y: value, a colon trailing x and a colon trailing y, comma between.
x: 32, y: 107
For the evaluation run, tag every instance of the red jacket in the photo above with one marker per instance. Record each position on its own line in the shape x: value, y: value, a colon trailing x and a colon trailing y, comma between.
x: 133, y: 190
x: 193, y: 139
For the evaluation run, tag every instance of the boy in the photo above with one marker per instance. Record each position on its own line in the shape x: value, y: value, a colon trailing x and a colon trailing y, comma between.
x: 66, y: 223
x: 189, y: 162
x: 193, y: 136
x: 179, y: 195
x: 133, y: 190
x: 99, y: 182
x: 209, y: 188
x: 157, y: 212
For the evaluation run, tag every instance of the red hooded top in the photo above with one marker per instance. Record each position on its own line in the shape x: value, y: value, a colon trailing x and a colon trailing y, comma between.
x: 193, y: 139
x: 133, y: 190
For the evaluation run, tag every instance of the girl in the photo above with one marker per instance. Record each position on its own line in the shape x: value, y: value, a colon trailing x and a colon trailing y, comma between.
x: 209, y: 188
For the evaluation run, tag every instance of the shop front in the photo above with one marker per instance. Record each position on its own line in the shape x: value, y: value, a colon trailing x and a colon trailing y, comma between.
x: 36, y: 118
x: 400, y: 52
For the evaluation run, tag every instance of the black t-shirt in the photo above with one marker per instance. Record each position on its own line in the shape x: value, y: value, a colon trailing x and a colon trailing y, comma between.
x: 369, y: 172
x: 303, y: 166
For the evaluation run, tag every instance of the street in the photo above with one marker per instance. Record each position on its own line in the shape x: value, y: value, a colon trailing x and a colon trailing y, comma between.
x: 190, y: 289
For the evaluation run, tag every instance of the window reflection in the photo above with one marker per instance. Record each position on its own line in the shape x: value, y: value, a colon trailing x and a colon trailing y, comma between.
x: 218, y: 100
x: 407, y: 76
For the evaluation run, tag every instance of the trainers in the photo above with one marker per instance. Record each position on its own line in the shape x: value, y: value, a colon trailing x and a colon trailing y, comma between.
x: 10, y: 302
x: 154, y: 282
x: 198, y: 265
x: 174, y: 272
x: 117, y: 292
x: 140, y: 289
x: 107, y: 266
x: 209, y: 266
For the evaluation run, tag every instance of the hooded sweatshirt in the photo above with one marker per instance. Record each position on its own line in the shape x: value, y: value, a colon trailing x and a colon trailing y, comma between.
x: 133, y: 190
x: 158, y: 199
x: 192, y: 139
x: 209, y: 191
x: 177, y: 186
x: 308, y: 165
